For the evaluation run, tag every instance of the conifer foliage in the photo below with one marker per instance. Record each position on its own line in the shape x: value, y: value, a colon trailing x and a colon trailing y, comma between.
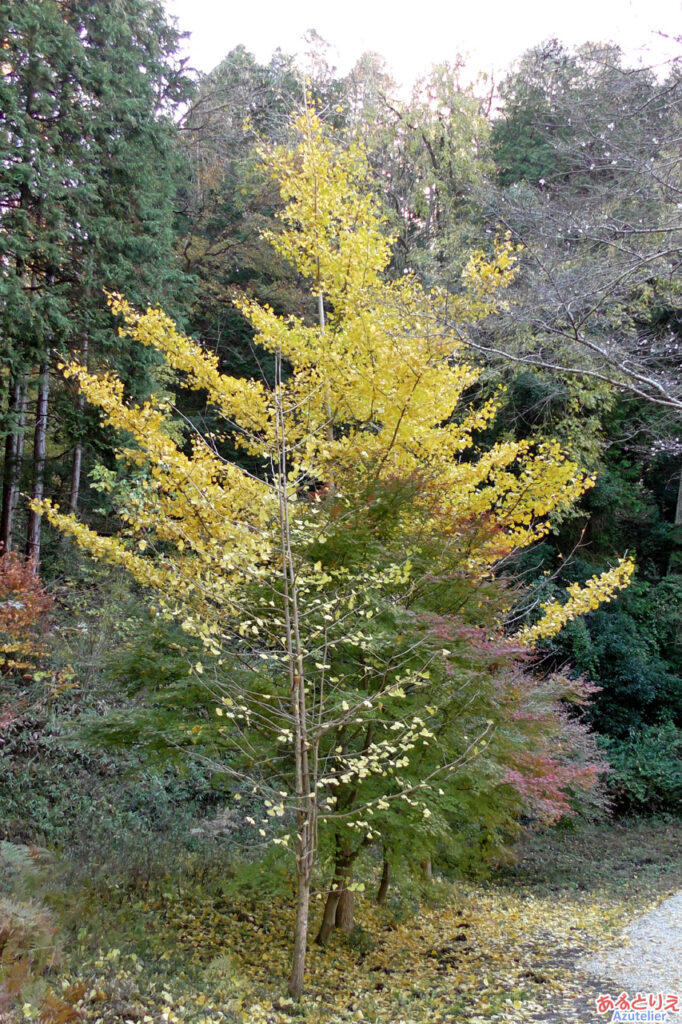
x: 88, y: 183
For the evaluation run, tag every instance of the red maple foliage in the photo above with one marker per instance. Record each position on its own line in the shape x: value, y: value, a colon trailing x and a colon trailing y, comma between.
x: 24, y: 608
x: 24, y: 605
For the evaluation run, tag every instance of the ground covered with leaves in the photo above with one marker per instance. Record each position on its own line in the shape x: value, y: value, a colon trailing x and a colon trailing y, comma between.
x: 191, y: 948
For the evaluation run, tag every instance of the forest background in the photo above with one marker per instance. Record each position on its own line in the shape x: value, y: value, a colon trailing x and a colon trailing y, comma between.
x: 121, y: 173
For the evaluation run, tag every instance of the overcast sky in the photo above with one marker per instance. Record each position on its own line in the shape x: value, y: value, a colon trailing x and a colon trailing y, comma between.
x: 412, y: 36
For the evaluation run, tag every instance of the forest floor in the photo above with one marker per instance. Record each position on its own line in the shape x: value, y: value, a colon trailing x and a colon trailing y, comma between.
x: 513, y: 949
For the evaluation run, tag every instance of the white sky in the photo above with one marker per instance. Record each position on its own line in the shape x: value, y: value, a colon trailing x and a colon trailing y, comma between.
x: 413, y: 34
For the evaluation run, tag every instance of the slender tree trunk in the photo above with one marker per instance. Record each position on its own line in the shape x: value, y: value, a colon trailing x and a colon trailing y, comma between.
x: 322, y: 320
x: 385, y: 882
x: 427, y: 870
x: 76, y: 465
x: 14, y: 449
x: 306, y: 792
x: 305, y: 858
x: 39, y: 452
x: 322, y: 323
x: 74, y: 490
x: 301, y: 935
x: 675, y: 557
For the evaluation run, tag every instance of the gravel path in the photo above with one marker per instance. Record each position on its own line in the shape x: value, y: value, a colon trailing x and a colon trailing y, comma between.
x: 650, y: 959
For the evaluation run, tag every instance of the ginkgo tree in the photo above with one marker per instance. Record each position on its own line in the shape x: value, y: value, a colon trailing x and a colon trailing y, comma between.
x: 333, y: 591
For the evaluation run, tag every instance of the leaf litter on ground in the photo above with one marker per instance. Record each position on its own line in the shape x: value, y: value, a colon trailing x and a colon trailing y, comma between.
x: 508, y: 950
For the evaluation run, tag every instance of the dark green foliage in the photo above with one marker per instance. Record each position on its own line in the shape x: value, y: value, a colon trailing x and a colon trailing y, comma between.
x: 163, y: 710
x: 524, y: 139
x: 614, y: 650
x: 88, y: 181
x: 533, y: 403
x: 89, y: 175
x: 647, y: 769
x: 631, y: 647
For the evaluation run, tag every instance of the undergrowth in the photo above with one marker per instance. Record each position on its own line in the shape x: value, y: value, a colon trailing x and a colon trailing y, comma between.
x: 189, y: 945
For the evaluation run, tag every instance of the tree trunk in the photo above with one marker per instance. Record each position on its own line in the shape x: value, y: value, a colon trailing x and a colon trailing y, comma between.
x: 675, y: 558
x: 14, y: 449
x: 338, y: 914
x: 301, y: 935
x: 76, y: 465
x: 345, y: 909
x: 328, y: 918
x: 384, y: 883
x: 39, y: 452
x: 427, y: 870
x: 306, y: 791
x: 74, y: 490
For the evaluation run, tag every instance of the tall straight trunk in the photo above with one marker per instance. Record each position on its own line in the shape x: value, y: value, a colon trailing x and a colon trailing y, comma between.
x: 322, y: 322
x: 675, y: 557
x: 306, y: 790
x: 297, y: 975
x: 39, y: 452
x: 77, y: 463
x: 14, y: 450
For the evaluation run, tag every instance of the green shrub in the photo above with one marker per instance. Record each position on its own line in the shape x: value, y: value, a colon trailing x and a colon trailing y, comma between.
x: 647, y: 769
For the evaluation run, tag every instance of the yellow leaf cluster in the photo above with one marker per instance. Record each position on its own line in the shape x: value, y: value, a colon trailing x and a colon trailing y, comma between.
x: 374, y: 391
x: 597, y: 590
